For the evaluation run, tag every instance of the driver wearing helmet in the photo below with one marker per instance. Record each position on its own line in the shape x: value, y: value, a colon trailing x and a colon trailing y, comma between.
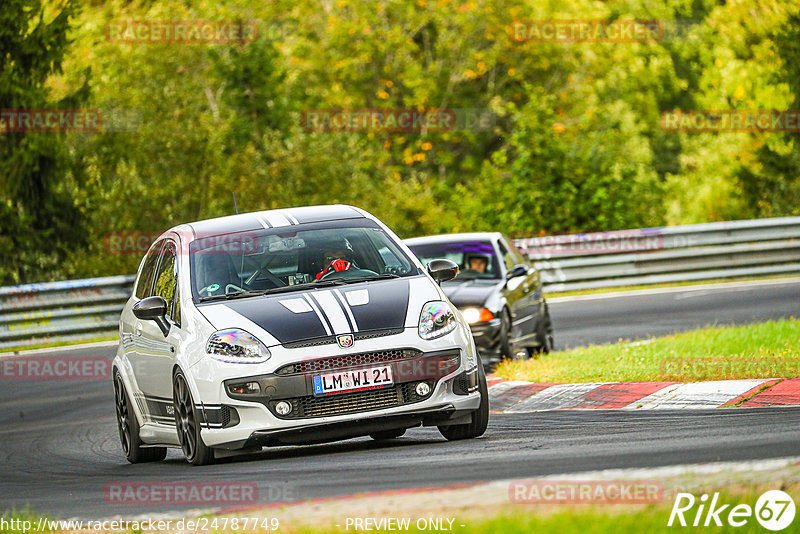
x: 478, y: 263
x: 336, y: 257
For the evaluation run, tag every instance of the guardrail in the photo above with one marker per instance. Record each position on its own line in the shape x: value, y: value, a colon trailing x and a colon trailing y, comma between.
x: 761, y: 247
x: 81, y: 309
x: 62, y: 311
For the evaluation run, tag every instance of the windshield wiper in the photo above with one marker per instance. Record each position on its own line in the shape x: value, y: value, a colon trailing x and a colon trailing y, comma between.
x: 296, y: 287
x: 307, y: 285
x: 385, y: 276
x: 229, y: 296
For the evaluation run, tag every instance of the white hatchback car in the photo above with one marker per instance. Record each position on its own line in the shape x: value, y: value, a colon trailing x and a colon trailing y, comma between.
x: 294, y: 326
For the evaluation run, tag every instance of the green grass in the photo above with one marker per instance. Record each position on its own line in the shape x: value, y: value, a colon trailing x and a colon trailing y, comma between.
x: 602, y: 519
x: 650, y: 520
x: 765, y: 350
x: 541, y: 518
x: 589, y: 520
x: 575, y: 519
x: 58, y: 344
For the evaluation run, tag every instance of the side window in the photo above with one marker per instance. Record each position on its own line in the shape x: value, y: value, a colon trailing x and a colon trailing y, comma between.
x: 144, y: 285
x: 166, y: 277
x: 508, y: 260
x: 176, y: 304
x: 518, y: 257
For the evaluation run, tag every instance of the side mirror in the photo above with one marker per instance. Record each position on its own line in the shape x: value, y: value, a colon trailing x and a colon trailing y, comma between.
x: 442, y: 270
x: 518, y: 270
x: 153, y: 309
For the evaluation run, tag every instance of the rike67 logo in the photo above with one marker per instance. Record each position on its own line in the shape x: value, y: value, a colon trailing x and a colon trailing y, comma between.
x: 774, y: 510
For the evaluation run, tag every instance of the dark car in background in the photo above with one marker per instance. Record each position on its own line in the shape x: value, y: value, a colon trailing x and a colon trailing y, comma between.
x: 498, y: 291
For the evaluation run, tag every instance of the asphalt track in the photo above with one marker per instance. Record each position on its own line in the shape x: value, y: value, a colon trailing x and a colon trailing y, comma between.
x: 59, y: 445
x: 642, y: 314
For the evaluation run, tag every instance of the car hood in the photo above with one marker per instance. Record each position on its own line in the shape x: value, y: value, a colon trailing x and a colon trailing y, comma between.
x: 470, y: 292
x: 317, y: 314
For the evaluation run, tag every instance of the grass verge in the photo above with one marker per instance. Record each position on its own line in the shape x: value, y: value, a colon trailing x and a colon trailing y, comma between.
x: 511, y: 518
x: 766, y: 350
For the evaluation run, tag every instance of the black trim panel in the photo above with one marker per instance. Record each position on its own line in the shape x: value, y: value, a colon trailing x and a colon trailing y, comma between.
x: 327, y: 432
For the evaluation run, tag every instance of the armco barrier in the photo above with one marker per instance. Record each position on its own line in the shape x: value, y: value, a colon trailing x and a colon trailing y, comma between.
x: 80, y: 309
x: 60, y: 311
x: 761, y: 247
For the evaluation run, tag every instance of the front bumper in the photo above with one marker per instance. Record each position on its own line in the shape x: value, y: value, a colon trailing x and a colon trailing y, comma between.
x: 361, y: 426
x: 451, y: 374
x: 487, y: 337
x: 293, y: 384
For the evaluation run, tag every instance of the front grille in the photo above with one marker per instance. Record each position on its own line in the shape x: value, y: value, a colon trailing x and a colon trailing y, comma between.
x: 346, y: 403
x: 410, y: 393
x: 466, y: 382
x: 372, y: 334
x: 225, y: 414
x: 350, y: 360
x: 461, y: 384
x: 329, y: 340
x: 316, y: 342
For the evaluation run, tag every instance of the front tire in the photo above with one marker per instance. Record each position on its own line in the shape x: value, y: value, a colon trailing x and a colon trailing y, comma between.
x: 544, y: 334
x: 504, y: 336
x: 480, y: 417
x: 188, y: 424
x: 128, y: 427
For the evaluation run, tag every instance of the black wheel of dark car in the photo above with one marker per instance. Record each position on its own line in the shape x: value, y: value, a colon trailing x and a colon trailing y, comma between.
x: 187, y: 423
x: 544, y: 334
x: 128, y: 427
x: 480, y: 417
x: 387, y: 434
x: 504, y: 336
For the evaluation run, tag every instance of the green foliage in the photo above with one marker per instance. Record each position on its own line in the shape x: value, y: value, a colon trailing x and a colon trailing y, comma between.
x: 39, y: 220
x: 574, y: 142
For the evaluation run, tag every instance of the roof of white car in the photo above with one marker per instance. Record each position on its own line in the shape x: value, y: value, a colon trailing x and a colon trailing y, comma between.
x: 452, y: 238
x: 288, y: 217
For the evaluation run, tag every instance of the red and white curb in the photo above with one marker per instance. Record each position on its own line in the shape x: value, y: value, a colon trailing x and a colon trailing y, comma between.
x: 510, y: 396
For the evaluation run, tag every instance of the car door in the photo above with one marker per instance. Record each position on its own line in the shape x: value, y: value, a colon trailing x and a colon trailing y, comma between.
x: 525, y: 295
x: 154, y: 355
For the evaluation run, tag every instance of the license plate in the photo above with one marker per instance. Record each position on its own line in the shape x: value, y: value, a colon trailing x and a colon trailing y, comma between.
x: 341, y: 382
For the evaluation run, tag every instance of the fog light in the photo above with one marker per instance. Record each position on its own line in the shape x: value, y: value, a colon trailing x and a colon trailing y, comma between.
x: 247, y: 388
x: 283, y: 408
x: 423, y: 389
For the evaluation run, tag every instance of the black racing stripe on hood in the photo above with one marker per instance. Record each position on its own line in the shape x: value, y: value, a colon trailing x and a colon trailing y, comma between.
x: 285, y: 325
x: 388, y: 302
x: 386, y: 310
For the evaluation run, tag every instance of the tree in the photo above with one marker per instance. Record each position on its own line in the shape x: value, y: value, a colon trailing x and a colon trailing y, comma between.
x: 39, y: 220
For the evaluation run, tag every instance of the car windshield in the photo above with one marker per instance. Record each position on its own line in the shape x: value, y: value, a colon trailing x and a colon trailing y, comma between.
x: 280, y: 259
x: 475, y: 259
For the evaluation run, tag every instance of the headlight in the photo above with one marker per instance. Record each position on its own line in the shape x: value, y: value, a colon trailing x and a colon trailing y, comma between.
x: 477, y: 315
x: 236, y: 346
x: 436, y: 320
